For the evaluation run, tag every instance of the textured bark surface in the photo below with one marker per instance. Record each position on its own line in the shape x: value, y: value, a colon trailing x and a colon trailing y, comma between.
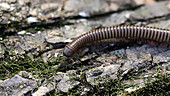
x: 42, y: 28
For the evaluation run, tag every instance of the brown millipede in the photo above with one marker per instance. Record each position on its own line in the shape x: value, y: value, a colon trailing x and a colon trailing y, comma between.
x: 114, y: 34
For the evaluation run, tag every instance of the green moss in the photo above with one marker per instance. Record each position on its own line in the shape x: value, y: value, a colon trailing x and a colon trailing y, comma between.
x: 159, y: 87
x: 117, y: 87
x: 12, y: 63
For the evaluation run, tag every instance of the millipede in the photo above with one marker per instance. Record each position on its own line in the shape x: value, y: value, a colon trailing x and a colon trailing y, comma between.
x: 116, y: 34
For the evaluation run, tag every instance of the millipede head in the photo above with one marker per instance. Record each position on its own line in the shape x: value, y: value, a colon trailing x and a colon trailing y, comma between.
x: 79, y: 52
x: 68, y: 52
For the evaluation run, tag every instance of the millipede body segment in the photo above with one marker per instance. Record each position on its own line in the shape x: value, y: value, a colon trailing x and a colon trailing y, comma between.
x: 116, y: 33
